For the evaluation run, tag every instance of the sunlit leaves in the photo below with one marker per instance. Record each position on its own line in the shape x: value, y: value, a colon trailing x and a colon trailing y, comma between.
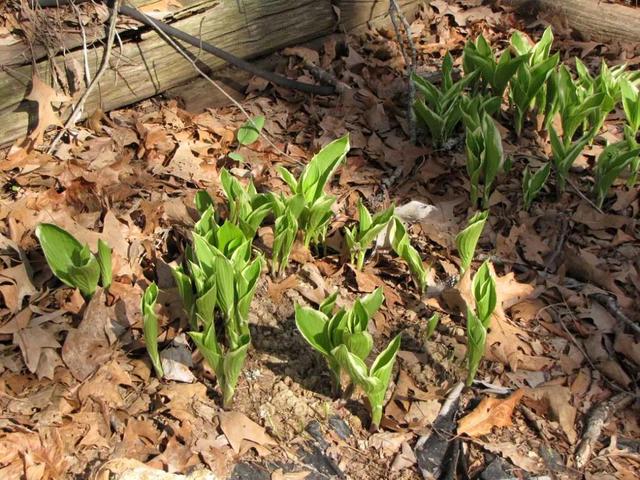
x: 467, y: 239
x: 250, y: 131
x: 150, y: 327
x: 72, y: 262
x: 613, y: 160
x: 360, y: 237
x: 401, y: 244
x: 532, y: 183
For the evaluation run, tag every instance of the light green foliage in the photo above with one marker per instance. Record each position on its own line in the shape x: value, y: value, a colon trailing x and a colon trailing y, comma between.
x: 286, y: 210
x: 485, y: 157
x: 316, y: 212
x: 222, y: 276
x: 467, y: 239
x: 631, y: 104
x: 72, y: 262
x: 250, y: 131
x: 360, y: 237
x: 325, y: 330
x: 150, y: 326
x: 528, y: 85
x: 532, y: 184
x: 247, y: 208
x: 474, y: 107
x: 478, y: 56
x: 374, y: 381
x: 401, y: 244
x: 579, y: 103
x: 479, y: 317
x: 563, y: 155
x: 440, y: 107
x: 611, y: 162
x: 432, y: 324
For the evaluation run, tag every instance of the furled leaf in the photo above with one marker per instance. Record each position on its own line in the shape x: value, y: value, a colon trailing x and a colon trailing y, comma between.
x: 104, y: 259
x: 150, y: 326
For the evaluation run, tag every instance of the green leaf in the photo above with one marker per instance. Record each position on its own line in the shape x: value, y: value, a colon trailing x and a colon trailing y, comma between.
x: 372, y: 301
x: 203, y: 201
x: 467, y: 239
x: 312, y: 325
x: 532, y: 184
x: 67, y: 258
x: 476, y: 344
x: 359, y: 343
x: 225, y: 284
x: 328, y: 304
x: 321, y: 167
x: 235, y: 156
x: 484, y: 292
x: 250, y: 131
x: 232, y: 366
x: 150, y: 326
x: 104, y: 259
x: 432, y: 324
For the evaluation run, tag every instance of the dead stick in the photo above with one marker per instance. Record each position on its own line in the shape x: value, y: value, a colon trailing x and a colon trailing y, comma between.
x: 610, y: 304
x: 395, y: 13
x: 103, y: 68
x: 595, y: 422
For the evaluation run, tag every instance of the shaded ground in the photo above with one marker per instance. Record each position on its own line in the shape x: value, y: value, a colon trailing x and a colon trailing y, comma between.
x: 76, y: 388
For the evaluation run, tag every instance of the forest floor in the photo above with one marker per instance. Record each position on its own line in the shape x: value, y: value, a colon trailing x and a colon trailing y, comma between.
x: 77, y: 388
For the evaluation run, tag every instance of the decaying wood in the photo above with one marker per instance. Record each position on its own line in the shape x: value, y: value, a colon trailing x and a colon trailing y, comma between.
x: 589, y: 19
x: 148, y: 66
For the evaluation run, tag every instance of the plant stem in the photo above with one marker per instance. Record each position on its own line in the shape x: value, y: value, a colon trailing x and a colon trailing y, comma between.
x: 361, y: 256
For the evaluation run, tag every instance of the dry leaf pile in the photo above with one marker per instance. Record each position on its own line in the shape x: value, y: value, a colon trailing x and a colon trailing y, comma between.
x: 76, y: 388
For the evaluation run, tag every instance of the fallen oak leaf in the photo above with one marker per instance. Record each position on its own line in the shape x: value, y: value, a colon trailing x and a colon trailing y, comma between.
x: 242, y: 432
x: 490, y: 412
x: 44, y: 96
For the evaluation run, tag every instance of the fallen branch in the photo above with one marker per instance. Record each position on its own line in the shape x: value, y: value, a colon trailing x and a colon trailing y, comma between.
x: 595, y: 422
x: 608, y: 302
x: 111, y: 33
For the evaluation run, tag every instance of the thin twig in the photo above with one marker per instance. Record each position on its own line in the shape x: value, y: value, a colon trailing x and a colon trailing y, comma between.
x: 410, y: 61
x: 85, y: 57
x: 101, y: 70
x: 609, y: 302
x: 195, y: 66
x: 582, y: 195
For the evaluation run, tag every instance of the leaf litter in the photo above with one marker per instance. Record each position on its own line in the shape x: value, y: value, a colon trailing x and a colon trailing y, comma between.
x: 76, y: 388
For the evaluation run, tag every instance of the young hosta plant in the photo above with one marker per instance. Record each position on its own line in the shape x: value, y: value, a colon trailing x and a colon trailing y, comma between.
x: 478, y: 56
x: 360, y: 237
x: 285, y: 230
x: 474, y: 107
x: 316, y: 210
x: 374, y: 381
x: 574, y: 104
x: 532, y: 183
x: 221, y: 277
x: 483, y: 289
x: 467, y: 239
x: 440, y: 108
x: 401, y: 244
x: 150, y: 327
x: 432, y: 324
x: 72, y: 262
x: 485, y: 157
x: 325, y: 330
x: 250, y: 131
x: 563, y: 155
x: 613, y: 160
x: 247, y: 208
x: 631, y: 104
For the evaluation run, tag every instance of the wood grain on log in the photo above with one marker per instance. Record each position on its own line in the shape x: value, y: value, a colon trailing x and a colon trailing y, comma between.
x: 589, y: 19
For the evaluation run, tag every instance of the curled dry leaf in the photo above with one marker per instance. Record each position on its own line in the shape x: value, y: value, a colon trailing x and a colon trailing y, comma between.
x: 491, y: 412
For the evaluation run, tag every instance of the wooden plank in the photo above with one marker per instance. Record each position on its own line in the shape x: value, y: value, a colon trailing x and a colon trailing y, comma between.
x: 357, y: 14
x: 149, y: 67
x: 19, y: 53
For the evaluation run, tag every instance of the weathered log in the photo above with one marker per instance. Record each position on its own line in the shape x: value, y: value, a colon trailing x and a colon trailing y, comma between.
x: 589, y: 19
x: 148, y: 66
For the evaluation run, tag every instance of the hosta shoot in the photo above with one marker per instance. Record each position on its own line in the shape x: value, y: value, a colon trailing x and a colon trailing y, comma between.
x: 564, y: 154
x: 221, y: 277
x: 467, y: 239
x: 286, y: 210
x: 247, y: 208
x: 528, y: 85
x: 360, y: 237
x: 631, y: 104
x: 401, y: 244
x: 485, y: 157
x: 325, y: 330
x: 613, y: 160
x: 439, y: 108
x: 478, y: 56
x: 432, y: 324
x: 150, y: 326
x: 316, y: 209
x: 374, y: 381
x: 483, y: 289
x: 533, y: 183
x: 73, y: 263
